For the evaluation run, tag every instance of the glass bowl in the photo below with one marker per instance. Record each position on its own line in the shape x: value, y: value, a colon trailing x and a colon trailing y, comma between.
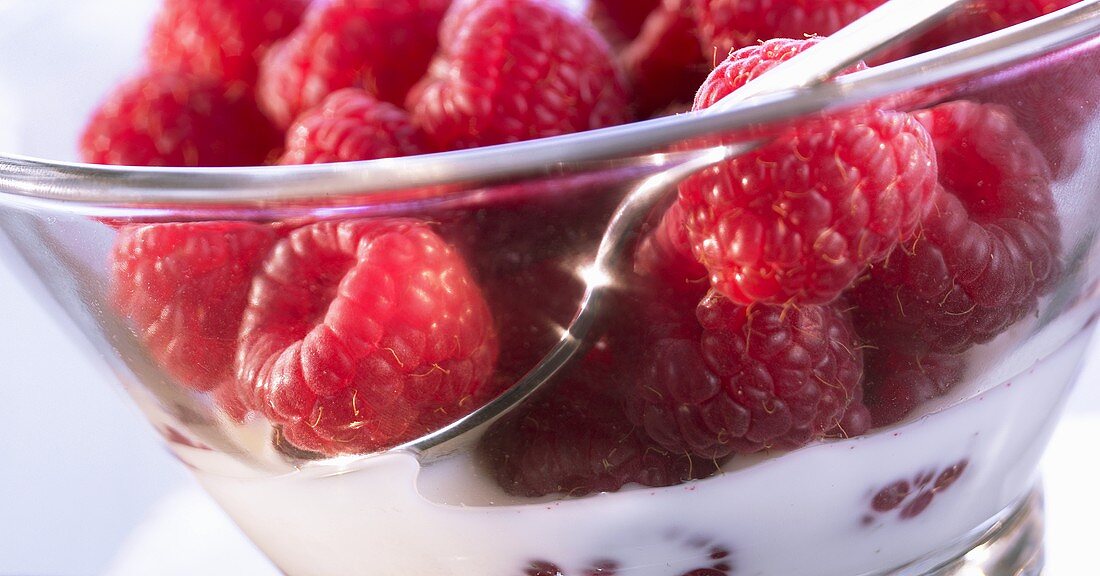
x: 279, y: 325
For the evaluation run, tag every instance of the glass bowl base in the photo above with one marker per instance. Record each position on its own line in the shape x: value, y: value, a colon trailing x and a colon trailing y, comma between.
x: 1010, y: 544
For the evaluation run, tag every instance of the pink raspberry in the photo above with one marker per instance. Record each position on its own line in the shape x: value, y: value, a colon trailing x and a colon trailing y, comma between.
x: 511, y: 70
x: 183, y: 289
x: 382, y: 46
x: 800, y: 218
x: 349, y: 125
x: 221, y: 39
x: 167, y: 119
x: 989, y: 242
x: 363, y: 334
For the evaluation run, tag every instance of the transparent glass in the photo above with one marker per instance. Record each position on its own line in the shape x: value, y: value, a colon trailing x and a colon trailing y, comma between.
x: 203, y: 288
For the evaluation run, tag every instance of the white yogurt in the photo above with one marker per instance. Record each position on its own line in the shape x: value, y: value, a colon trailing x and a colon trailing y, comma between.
x: 804, y: 513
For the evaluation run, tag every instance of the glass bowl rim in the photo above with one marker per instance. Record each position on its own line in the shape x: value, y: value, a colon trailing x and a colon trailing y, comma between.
x: 28, y: 180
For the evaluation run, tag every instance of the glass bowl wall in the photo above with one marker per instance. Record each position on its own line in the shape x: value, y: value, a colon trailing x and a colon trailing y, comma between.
x: 527, y: 219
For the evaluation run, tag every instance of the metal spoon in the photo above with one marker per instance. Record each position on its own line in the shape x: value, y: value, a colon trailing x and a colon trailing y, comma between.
x: 866, y: 36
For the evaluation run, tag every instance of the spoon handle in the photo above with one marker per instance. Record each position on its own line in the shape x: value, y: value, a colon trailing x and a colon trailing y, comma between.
x: 879, y: 28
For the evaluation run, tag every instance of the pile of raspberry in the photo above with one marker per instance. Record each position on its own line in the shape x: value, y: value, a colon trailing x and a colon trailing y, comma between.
x: 826, y: 283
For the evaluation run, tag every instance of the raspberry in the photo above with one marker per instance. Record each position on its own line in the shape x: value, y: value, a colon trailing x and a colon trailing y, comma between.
x: 857, y: 418
x: 800, y: 218
x: 362, y: 334
x: 1056, y: 122
x: 349, y: 125
x: 620, y: 21
x: 988, y: 246
x: 160, y: 119
x: 531, y: 307
x: 183, y: 289
x: 382, y: 46
x: 576, y: 441
x: 511, y: 70
x: 898, y: 383
x: 984, y: 16
x: 664, y: 256
x: 726, y: 25
x: 743, y: 379
x: 526, y: 223
x: 222, y: 39
x: 664, y: 63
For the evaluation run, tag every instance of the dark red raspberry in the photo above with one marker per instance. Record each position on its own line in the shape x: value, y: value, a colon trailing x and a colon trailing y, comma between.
x: 183, y: 289
x: 989, y: 242
x: 576, y: 440
x: 1055, y: 121
x: 382, y: 46
x: 897, y: 383
x: 222, y: 39
x: 979, y: 17
x: 531, y: 306
x: 743, y: 379
x: 800, y: 218
x: 349, y: 125
x: 725, y: 25
x: 664, y: 64
x: 620, y: 21
x: 363, y: 334
x: 913, y: 498
x: 511, y: 70
x: 664, y: 256
x: 159, y: 119
x: 857, y: 418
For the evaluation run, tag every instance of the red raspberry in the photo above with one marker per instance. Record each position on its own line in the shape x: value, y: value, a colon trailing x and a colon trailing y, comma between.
x: 531, y: 306
x: 173, y: 120
x: 799, y: 219
x: 664, y: 63
x: 382, y: 46
x: 664, y: 256
x: 898, y: 383
x: 988, y: 246
x: 979, y: 17
x: 620, y: 21
x: 349, y: 125
x: 1056, y: 122
x: 725, y: 25
x: 183, y: 289
x: 223, y: 39
x: 362, y: 334
x: 511, y: 70
x: 576, y: 441
x: 743, y: 379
